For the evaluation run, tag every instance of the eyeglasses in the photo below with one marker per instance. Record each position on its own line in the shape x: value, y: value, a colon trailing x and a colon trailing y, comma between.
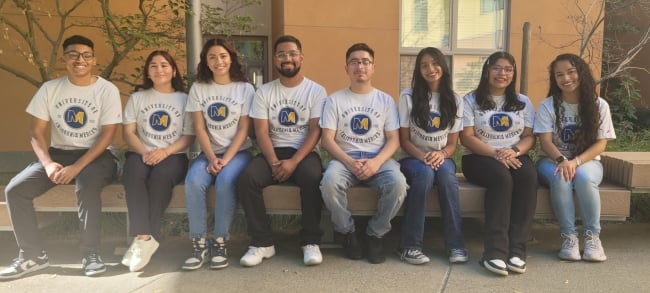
x: 284, y: 55
x: 499, y: 69
x: 74, y: 55
x: 357, y: 62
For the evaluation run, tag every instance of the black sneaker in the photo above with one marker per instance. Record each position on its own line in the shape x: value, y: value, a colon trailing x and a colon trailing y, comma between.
x: 218, y: 254
x: 352, y: 246
x: 21, y: 266
x: 199, y: 254
x: 92, y: 264
x: 375, y: 250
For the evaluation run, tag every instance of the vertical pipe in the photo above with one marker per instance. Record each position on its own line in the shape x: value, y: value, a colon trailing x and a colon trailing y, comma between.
x: 193, y: 36
x: 193, y: 43
x: 525, y: 47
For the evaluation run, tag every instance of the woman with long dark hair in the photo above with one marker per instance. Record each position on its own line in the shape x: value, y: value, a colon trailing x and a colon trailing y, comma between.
x: 574, y: 125
x: 430, y: 120
x: 497, y: 134
x: 158, y: 133
x: 219, y: 103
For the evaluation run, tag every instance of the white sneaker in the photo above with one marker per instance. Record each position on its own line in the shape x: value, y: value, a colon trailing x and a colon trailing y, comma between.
x: 126, y: 259
x: 496, y: 266
x: 594, y: 250
x: 142, y: 252
x: 311, y: 254
x: 255, y: 255
x: 516, y: 265
x: 570, y: 247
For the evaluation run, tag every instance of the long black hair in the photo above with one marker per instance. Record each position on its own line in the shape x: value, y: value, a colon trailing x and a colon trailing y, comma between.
x: 482, y: 92
x: 420, y: 94
x: 204, y: 74
x: 587, y: 132
x: 177, y: 80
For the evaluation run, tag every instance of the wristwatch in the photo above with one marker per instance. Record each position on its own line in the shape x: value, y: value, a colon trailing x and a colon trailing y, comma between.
x: 560, y: 159
x: 516, y: 149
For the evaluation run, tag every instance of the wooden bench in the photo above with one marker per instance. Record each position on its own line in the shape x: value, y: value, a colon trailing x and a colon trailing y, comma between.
x: 629, y: 169
x: 285, y: 199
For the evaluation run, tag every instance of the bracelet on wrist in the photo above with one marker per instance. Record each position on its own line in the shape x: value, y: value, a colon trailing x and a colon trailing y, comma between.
x: 578, y: 161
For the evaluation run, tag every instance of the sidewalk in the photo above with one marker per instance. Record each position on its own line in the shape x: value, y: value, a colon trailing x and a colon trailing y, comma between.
x: 626, y: 270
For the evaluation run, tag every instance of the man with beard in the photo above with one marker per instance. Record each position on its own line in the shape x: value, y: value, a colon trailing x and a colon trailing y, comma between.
x: 360, y: 131
x: 285, y: 115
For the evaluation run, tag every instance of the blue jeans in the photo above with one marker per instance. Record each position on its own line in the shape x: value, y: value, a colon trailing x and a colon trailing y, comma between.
x: 198, y: 181
x: 388, y: 181
x: 420, y: 178
x: 585, y: 183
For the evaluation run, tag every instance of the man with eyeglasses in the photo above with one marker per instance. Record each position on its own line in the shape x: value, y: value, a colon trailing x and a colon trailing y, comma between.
x: 285, y: 115
x: 83, y: 112
x: 360, y: 131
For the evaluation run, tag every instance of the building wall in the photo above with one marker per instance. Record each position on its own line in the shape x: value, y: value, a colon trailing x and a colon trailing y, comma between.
x: 327, y: 29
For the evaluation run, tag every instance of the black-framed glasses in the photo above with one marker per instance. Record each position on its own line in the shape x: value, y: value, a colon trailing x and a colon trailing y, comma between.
x: 357, y: 62
x: 74, y: 55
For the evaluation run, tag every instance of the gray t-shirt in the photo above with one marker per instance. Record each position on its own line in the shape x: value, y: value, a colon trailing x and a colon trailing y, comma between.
x: 160, y: 118
x: 222, y: 105
x: 563, y: 137
x: 76, y: 113
x: 433, y: 138
x: 497, y: 127
x: 360, y: 120
x: 288, y: 110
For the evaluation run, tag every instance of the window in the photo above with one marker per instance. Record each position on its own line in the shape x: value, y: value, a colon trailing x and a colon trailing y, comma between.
x: 252, y: 52
x: 466, y: 31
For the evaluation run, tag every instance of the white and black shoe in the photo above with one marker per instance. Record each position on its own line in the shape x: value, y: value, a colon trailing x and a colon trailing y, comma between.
x: 199, y: 254
x: 496, y: 266
x: 21, y: 266
x: 218, y: 254
x: 516, y: 265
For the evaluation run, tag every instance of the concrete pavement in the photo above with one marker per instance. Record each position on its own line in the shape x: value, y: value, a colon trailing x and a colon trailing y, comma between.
x: 626, y: 270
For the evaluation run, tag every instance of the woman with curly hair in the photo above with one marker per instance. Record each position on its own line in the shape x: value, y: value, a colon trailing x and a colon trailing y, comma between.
x: 219, y: 102
x: 574, y: 125
x: 497, y: 134
x: 430, y: 120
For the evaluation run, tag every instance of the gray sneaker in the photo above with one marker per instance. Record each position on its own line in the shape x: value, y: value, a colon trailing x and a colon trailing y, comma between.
x: 21, y: 266
x: 458, y: 255
x: 570, y: 247
x: 413, y: 256
x: 593, y: 248
x: 93, y: 264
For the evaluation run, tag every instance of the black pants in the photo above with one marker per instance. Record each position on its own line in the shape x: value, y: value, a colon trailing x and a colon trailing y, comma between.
x: 257, y: 175
x: 510, y: 199
x: 32, y: 182
x: 149, y: 190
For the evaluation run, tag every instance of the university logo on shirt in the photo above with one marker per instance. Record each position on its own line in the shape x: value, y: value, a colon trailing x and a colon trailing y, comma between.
x: 433, y: 124
x: 360, y: 124
x: 160, y: 120
x: 288, y: 117
x: 500, y: 122
x: 75, y: 117
x: 568, y: 132
x: 218, y: 112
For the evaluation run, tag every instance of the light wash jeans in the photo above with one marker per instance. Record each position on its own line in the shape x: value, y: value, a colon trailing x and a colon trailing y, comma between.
x: 585, y: 183
x: 420, y: 178
x: 198, y: 181
x: 388, y: 181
